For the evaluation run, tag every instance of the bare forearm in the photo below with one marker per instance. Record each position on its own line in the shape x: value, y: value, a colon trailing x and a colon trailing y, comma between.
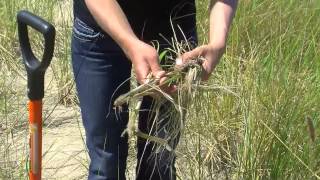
x: 112, y: 20
x: 221, y: 15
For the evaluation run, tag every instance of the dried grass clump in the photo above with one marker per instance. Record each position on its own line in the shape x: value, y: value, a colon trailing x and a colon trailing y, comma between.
x: 170, y: 119
x: 168, y: 113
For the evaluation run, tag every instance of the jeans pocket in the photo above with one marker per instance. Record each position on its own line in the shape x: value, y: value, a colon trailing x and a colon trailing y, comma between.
x: 83, y: 32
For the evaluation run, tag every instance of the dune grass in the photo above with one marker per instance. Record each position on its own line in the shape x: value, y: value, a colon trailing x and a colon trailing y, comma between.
x: 272, y: 61
x: 267, y: 128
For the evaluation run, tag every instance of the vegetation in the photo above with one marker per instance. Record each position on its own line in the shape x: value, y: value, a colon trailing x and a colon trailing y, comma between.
x: 259, y: 120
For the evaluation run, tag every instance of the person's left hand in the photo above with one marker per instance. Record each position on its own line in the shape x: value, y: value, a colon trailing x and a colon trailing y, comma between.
x: 210, y: 52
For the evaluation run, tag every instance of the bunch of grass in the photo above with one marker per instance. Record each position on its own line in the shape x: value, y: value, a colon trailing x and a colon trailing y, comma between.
x: 186, y: 78
x: 168, y: 110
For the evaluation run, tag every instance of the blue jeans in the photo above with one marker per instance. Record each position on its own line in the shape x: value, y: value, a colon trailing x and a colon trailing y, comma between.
x: 101, y: 72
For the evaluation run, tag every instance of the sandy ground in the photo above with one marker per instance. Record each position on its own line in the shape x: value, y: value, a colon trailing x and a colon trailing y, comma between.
x: 64, y: 152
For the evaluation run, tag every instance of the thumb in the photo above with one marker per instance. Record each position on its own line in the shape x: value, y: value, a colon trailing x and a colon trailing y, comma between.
x: 207, y: 70
x: 195, y: 53
x: 156, y: 70
x: 159, y: 74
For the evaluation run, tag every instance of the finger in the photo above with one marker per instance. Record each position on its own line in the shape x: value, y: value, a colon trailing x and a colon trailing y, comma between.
x: 192, y: 54
x: 165, y: 87
x: 156, y: 70
x: 162, y: 80
x: 162, y: 83
x: 142, y: 74
x: 172, y: 89
x: 206, y: 71
x: 168, y: 89
x: 160, y: 74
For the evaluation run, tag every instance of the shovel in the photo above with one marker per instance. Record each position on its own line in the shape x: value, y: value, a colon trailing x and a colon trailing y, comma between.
x: 35, y: 74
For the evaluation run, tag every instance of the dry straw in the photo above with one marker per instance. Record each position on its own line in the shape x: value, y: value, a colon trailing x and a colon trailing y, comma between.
x: 186, y: 77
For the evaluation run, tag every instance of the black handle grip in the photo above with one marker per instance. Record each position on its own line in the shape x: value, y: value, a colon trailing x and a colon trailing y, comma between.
x: 35, y: 68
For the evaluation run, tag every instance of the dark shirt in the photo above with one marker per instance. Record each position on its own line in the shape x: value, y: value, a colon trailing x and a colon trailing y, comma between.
x: 149, y: 18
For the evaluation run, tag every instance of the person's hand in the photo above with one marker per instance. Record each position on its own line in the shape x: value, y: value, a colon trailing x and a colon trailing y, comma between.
x: 211, y: 53
x: 145, y: 60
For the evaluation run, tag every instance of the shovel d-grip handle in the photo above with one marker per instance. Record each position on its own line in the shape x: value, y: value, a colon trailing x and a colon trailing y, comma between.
x: 35, y: 68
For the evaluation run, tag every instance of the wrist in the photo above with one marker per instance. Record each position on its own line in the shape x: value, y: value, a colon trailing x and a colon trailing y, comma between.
x: 218, y: 44
x: 127, y: 45
x: 217, y: 50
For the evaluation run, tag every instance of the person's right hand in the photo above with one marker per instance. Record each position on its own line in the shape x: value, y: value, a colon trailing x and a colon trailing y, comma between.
x: 145, y: 60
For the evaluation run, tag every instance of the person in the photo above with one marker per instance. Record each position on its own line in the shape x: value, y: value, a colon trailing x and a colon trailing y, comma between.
x: 110, y: 36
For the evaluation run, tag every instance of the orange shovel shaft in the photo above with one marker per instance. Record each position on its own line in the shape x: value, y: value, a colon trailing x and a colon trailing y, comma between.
x: 35, y: 127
